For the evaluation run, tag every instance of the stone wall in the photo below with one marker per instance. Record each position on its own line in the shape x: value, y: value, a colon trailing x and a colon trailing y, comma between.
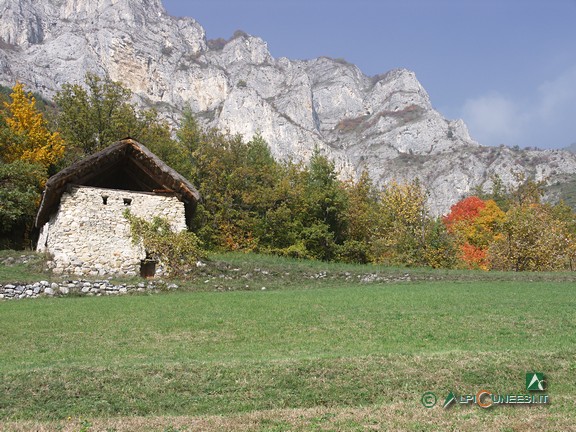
x: 90, y: 235
x: 18, y: 291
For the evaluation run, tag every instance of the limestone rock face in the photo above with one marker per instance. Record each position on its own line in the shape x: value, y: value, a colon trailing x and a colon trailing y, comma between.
x: 385, y: 124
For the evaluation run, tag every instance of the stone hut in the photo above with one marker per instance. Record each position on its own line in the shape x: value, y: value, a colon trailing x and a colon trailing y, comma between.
x: 81, y: 216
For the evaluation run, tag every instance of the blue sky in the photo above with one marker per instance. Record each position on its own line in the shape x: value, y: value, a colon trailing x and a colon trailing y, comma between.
x: 507, y: 67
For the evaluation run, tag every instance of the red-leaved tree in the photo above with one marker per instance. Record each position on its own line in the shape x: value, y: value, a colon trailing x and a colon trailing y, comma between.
x: 474, y: 223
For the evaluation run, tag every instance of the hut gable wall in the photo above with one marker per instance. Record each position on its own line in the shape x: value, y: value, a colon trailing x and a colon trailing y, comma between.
x: 89, y: 234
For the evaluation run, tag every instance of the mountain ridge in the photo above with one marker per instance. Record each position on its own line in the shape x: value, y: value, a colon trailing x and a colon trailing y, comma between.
x: 385, y: 125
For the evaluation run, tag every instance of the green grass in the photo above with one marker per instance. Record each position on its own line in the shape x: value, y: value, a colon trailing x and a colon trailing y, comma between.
x: 307, y: 353
x: 330, y: 321
x: 28, y: 267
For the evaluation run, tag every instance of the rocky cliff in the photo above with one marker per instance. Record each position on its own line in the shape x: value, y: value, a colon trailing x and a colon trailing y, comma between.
x: 384, y: 124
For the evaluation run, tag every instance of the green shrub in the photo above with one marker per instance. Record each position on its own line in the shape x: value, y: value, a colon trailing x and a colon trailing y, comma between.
x: 177, y: 252
x: 353, y: 251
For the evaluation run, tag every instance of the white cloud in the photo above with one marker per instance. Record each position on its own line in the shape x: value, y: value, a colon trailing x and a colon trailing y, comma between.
x: 546, y: 118
x: 558, y: 96
x: 493, y: 119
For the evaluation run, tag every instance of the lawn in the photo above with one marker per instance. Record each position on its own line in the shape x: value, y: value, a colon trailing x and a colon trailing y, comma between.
x: 309, y: 352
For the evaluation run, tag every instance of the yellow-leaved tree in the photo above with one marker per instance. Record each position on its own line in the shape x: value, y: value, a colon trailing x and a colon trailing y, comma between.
x: 32, y: 140
x: 28, y: 150
x: 534, y: 238
x: 400, y: 233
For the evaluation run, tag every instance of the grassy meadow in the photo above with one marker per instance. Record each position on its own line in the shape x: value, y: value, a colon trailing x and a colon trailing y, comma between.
x: 266, y: 344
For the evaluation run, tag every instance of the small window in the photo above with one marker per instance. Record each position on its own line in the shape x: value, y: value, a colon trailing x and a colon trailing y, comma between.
x: 105, y: 199
x: 127, y: 201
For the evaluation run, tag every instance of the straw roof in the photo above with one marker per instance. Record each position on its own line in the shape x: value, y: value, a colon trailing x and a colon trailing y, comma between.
x: 126, y: 165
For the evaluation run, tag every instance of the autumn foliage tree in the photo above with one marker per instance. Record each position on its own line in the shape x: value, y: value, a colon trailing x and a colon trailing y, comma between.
x: 401, y: 224
x: 533, y: 236
x: 362, y: 210
x: 30, y: 138
x: 475, y: 224
x: 465, y: 210
x: 533, y: 239
x: 529, y: 236
x: 252, y: 202
x: 28, y: 150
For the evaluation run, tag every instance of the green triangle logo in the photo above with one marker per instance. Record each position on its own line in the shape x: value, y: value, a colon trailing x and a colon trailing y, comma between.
x: 449, y: 399
x: 535, y: 381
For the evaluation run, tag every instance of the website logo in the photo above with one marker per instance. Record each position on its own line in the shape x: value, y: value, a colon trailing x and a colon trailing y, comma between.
x: 535, y: 381
x: 451, y: 398
x: 429, y: 400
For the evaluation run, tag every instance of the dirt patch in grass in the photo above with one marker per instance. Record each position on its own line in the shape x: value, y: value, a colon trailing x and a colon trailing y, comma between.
x: 397, y: 416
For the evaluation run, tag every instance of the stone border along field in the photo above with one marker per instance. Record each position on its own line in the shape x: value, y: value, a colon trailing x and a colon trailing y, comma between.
x: 83, y: 287
x: 78, y: 287
x: 220, y: 274
x: 214, y: 279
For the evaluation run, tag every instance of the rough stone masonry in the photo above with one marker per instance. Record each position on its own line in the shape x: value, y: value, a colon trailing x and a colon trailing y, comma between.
x: 90, y: 235
x: 19, y: 291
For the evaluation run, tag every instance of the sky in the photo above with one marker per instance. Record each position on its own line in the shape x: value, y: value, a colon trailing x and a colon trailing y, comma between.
x: 506, y: 67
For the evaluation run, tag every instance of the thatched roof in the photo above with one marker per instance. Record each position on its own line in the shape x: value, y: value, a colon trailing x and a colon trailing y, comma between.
x: 126, y: 165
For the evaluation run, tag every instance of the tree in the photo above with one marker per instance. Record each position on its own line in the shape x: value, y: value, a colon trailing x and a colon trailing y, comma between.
x: 474, y: 224
x: 236, y: 180
x: 28, y: 150
x: 20, y: 187
x: 8, y: 139
x: 487, y: 225
x: 401, y: 226
x: 566, y: 217
x: 251, y: 202
x: 440, y: 251
x: 26, y: 136
x: 499, y: 193
x: 464, y: 211
x: 91, y: 115
x: 189, y: 136
x: 326, y: 204
x: 99, y: 113
x: 287, y: 215
x: 527, y: 191
x: 533, y: 240
x: 362, y: 210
